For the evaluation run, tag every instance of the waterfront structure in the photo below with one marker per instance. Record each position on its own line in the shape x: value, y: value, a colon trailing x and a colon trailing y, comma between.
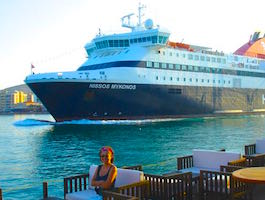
x: 142, y: 75
x: 19, y: 99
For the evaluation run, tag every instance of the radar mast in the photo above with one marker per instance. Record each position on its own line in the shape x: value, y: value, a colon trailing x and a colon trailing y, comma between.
x: 126, y: 20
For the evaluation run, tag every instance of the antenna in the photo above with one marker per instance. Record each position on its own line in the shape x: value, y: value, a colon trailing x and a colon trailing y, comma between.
x: 140, y: 15
x: 126, y: 20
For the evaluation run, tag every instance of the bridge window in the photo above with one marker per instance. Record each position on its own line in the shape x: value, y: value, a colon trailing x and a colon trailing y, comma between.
x: 121, y: 43
x: 126, y: 43
x: 111, y: 43
x: 154, y: 39
x: 116, y: 43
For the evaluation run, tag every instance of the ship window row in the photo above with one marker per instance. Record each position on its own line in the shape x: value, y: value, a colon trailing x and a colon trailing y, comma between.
x: 171, y: 66
x: 207, y: 58
x: 125, y: 43
x: 154, y: 39
x: 112, y: 43
x: 191, y: 68
x: 199, y: 58
x: 184, y: 79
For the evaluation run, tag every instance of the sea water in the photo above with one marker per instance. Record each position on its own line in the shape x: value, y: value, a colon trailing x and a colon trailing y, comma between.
x: 33, y: 151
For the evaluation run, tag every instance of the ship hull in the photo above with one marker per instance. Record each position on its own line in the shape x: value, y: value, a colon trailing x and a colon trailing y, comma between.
x: 105, y: 101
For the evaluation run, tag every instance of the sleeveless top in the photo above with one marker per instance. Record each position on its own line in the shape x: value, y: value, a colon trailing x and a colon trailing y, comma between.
x: 105, y: 177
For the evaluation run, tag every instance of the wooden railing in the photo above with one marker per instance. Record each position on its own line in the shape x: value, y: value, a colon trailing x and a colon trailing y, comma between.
x: 45, y: 190
x: 109, y: 195
x: 139, y: 189
x: 221, y: 185
x: 76, y: 183
x: 174, y: 187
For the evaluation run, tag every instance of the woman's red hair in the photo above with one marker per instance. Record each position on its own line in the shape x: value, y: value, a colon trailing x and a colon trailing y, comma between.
x: 108, y: 149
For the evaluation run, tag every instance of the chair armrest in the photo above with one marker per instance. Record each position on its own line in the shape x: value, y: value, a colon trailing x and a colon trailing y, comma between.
x: 139, y: 189
x: 135, y: 167
x: 239, y: 162
x: 250, y: 149
x: 185, y: 162
x: 229, y: 168
x: 76, y: 183
x: 109, y: 195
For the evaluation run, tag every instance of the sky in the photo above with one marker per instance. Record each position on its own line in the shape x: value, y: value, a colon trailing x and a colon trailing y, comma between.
x: 51, y: 34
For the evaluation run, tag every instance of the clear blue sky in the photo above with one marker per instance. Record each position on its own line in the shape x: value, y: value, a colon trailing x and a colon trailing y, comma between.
x: 51, y: 34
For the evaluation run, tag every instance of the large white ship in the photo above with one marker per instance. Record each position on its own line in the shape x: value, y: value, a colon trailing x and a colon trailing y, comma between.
x: 143, y: 75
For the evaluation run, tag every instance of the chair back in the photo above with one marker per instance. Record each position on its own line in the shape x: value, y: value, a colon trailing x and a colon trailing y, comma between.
x: 210, y: 159
x: 260, y: 146
x: 124, y: 176
x: 92, y: 171
x: 128, y: 176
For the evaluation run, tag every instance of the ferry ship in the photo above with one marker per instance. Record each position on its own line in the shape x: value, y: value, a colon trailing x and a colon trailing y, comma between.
x: 141, y: 74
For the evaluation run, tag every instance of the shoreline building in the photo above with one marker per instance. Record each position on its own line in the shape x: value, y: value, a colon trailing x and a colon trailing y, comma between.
x: 19, y: 99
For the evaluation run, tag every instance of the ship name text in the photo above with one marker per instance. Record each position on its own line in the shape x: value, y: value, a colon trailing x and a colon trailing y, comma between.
x: 112, y: 86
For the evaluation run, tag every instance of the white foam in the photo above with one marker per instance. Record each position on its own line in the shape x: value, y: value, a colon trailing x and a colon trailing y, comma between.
x: 109, y: 122
x: 36, y: 122
x: 32, y: 122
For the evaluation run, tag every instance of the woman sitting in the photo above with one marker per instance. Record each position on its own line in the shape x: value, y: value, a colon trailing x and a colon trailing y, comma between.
x: 105, y: 174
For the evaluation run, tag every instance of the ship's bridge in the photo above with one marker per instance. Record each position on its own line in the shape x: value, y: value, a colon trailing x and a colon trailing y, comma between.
x: 138, y: 38
x: 142, y: 35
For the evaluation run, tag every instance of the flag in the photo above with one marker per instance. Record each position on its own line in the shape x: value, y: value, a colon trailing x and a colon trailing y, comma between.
x: 32, y: 66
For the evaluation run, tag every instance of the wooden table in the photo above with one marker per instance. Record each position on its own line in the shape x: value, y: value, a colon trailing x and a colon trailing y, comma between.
x: 250, y: 175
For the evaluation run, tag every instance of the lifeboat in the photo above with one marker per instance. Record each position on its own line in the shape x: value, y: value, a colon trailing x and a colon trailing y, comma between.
x: 179, y: 45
